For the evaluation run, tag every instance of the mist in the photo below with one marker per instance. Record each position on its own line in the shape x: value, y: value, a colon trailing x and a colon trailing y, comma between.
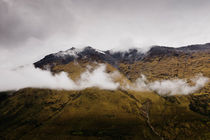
x: 28, y: 76
x: 39, y: 27
x: 97, y: 78
x: 171, y: 87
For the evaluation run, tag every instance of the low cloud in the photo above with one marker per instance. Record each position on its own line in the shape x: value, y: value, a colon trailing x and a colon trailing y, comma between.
x: 97, y: 78
x: 28, y: 76
x: 170, y: 87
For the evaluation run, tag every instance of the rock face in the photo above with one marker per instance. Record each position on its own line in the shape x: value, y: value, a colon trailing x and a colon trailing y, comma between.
x: 114, y: 58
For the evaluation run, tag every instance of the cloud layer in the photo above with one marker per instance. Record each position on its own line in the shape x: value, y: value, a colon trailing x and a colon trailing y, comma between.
x: 22, y: 20
x: 39, y: 27
x: 171, y: 87
x: 28, y: 76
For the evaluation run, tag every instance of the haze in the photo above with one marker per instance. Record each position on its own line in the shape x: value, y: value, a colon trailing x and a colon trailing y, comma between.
x: 36, y: 28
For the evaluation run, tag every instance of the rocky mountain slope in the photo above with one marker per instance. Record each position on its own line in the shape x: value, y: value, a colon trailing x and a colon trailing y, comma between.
x: 157, y: 64
x: 115, y: 58
x: 95, y: 113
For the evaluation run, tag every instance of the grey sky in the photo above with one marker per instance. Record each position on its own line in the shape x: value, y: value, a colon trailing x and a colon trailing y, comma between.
x: 37, y: 27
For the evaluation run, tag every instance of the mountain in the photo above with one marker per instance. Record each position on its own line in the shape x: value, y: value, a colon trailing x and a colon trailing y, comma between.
x: 157, y: 64
x: 114, y: 58
x: 88, y: 54
x: 94, y: 113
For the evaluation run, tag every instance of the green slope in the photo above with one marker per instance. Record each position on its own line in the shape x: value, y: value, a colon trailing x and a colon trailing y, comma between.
x: 99, y: 114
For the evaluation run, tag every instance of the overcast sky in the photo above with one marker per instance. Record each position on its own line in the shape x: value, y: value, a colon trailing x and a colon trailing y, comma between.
x: 30, y: 29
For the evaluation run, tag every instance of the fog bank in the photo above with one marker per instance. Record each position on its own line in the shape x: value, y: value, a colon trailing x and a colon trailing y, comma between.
x: 171, y: 87
x: 28, y: 76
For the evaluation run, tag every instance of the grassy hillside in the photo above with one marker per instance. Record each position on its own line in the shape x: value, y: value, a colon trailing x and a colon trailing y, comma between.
x: 168, y: 67
x: 158, y: 67
x: 99, y: 114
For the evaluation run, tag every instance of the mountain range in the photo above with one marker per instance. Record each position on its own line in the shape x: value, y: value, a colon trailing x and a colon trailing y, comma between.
x: 95, y: 113
x: 116, y: 57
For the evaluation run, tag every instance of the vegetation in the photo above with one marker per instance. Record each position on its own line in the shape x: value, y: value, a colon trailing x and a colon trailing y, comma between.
x: 112, y: 114
x: 99, y: 114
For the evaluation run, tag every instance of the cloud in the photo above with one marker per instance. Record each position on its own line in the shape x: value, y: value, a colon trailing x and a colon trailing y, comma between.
x: 90, y: 23
x: 28, y: 76
x: 170, y: 87
x: 98, y: 78
x: 22, y: 20
x: 39, y: 27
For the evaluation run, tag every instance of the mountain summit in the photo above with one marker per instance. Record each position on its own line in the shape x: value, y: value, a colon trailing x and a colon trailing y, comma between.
x: 115, y: 57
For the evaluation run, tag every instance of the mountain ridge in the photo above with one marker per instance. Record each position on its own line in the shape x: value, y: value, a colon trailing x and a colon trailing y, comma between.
x: 94, y: 113
x: 113, y: 58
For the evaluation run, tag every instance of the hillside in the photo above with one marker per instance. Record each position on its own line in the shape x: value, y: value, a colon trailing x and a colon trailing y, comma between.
x: 158, y: 63
x: 94, y: 113
x: 99, y: 114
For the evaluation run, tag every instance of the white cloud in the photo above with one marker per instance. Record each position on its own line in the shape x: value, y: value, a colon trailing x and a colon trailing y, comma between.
x: 97, y: 78
x: 171, y: 87
x: 28, y: 76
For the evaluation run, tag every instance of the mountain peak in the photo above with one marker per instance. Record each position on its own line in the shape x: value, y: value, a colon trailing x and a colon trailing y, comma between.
x: 114, y: 58
x: 88, y: 48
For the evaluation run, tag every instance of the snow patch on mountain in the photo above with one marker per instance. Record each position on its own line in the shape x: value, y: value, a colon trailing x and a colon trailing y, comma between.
x: 100, y: 51
x: 74, y: 52
x: 70, y: 52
